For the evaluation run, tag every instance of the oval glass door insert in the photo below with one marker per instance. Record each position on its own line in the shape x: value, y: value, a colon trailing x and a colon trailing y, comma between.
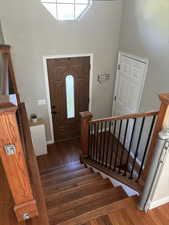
x: 70, y: 97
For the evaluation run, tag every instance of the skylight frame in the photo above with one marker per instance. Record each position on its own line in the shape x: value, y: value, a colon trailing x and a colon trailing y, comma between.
x: 74, y: 3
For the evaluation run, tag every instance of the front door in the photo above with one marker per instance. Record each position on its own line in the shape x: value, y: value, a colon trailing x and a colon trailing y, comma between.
x: 69, y: 94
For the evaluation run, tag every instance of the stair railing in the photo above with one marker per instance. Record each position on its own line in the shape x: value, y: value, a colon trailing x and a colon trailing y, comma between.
x: 123, y: 144
x: 13, y: 161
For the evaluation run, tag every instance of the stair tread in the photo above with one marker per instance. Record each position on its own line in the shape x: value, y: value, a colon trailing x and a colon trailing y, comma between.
x: 84, y: 205
x: 82, y: 189
x: 77, y: 193
x: 129, y: 202
x: 64, y: 177
x: 77, y: 181
x: 67, y: 165
x: 64, y: 170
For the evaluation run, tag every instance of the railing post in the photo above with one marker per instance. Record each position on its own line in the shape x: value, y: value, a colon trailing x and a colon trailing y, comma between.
x: 13, y: 160
x: 161, y: 124
x: 85, y: 118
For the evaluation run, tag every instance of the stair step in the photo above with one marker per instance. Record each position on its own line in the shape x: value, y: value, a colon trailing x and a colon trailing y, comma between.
x: 67, y: 176
x: 129, y: 202
x: 68, y: 165
x: 75, y: 182
x: 59, y: 171
x: 77, y: 192
x: 69, y: 210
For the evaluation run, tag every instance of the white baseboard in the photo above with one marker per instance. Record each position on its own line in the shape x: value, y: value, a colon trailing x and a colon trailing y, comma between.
x: 159, y: 202
x: 50, y: 142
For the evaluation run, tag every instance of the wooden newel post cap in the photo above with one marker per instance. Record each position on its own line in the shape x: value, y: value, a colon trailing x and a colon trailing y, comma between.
x: 164, y: 98
x: 86, y: 115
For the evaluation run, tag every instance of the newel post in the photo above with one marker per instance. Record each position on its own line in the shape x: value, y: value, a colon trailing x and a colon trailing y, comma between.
x: 85, y: 118
x: 161, y: 123
x: 13, y: 161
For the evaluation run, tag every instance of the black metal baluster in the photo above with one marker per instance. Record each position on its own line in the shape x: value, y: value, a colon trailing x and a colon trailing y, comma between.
x: 118, y: 143
x: 146, y: 147
x: 113, y: 144
x: 137, y: 148
x: 104, y: 142
x: 101, y: 137
x: 94, y: 142
x: 97, y: 141
x: 124, y: 142
x: 90, y: 141
x: 131, y: 141
x: 108, y: 142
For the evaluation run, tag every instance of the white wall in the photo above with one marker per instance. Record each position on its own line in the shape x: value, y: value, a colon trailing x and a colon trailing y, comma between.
x: 1, y: 60
x: 145, y: 33
x: 34, y: 33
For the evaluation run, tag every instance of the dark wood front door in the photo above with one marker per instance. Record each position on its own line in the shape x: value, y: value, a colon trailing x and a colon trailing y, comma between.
x: 69, y: 93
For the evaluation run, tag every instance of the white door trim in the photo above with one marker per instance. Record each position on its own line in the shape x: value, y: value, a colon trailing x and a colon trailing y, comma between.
x: 47, y: 84
x: 137, y: 58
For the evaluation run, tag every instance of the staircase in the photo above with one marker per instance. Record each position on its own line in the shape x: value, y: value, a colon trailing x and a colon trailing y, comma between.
x: 75, y: 194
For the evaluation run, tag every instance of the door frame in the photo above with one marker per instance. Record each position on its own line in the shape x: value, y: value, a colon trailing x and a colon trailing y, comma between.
x: 137, y: 58
x: 48, y: 89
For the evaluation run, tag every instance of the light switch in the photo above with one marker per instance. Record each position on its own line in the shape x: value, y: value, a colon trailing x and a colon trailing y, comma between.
x: 42, y: 102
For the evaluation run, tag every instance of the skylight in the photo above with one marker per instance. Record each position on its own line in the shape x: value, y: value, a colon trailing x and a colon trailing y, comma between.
x: 66, y: 9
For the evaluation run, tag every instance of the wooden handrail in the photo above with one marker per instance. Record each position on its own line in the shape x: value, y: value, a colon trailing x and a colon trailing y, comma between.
x: 128, y: 116
x: 32, y: 165
x: 161, y: 123
x: 9, y: 71
x: 12, y: 156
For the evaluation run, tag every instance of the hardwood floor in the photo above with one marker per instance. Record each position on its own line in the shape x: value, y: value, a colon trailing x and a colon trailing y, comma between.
x: 132, y: 216
x: 60, y: 154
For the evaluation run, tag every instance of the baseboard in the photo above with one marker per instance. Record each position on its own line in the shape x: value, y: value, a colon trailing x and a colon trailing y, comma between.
x: 50, y: 142
x: 159, y: 202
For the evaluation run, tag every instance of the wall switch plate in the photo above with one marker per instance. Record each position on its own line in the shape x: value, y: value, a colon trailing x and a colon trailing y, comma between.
x: 42, y: 102
x: 10, y: 149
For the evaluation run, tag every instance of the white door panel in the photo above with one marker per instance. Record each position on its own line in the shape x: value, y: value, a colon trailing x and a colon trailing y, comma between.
x: 129, y: 84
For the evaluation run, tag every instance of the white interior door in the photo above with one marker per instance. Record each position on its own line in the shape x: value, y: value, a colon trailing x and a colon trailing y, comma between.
x: 130, y: 78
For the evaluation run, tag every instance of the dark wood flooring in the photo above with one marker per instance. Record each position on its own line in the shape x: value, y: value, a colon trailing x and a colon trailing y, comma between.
x: 60, y: 154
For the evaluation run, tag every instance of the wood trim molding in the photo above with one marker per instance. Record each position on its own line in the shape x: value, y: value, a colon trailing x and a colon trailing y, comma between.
x: 5, y: 48
x: 14, y: 164
x: 85, y: 118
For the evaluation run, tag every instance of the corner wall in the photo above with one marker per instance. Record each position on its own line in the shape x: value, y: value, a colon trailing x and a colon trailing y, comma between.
x: 145, y: 33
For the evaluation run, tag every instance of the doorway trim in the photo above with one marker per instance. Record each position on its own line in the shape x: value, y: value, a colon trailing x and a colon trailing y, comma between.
x: 47, y: 84
x: 137, y: 58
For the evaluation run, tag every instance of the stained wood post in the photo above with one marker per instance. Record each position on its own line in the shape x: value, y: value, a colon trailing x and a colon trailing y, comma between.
x: 85, y: 118
x: 161, y: 123
x: 13, y: 161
